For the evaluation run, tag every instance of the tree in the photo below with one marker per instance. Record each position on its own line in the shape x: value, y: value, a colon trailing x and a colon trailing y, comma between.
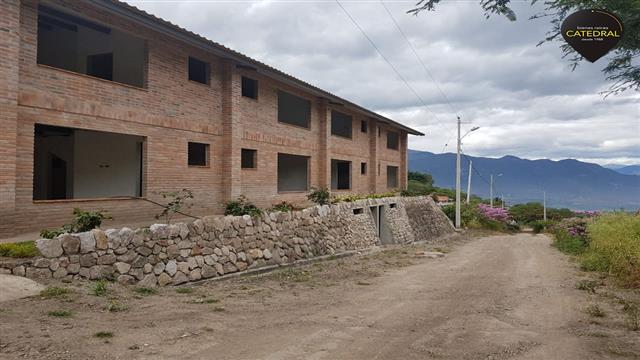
x: 421, y: 177
x: 623, y: 69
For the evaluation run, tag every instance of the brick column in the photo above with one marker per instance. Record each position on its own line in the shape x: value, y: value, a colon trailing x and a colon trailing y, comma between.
x: 232, y: 132
x: 9, y: 72
x: 373, y: 155
x: 324, y: 156
x: 403, y: 160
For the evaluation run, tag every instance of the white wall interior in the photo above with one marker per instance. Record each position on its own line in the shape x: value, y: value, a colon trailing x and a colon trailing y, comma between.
x: 106, y: 164
x: 293, y: 172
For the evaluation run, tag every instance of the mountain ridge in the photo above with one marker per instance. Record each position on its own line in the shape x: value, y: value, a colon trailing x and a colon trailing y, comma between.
x: 568, y: 182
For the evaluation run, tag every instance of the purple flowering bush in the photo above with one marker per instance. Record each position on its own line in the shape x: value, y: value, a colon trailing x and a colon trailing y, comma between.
x: 493, y: 213
x: 571, y: 234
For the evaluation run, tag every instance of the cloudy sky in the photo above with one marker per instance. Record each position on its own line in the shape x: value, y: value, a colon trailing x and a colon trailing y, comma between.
x: 526, y: 99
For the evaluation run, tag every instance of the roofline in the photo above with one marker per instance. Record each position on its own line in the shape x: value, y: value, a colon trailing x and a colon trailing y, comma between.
x: 181, y: 34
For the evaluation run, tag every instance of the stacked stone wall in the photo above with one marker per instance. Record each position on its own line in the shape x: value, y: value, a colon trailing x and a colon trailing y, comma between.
x: 214, y: 246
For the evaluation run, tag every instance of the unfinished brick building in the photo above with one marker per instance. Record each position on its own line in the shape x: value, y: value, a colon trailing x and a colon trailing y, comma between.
x: 103, y: 105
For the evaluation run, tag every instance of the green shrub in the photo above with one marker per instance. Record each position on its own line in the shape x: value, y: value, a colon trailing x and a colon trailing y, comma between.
x: 87, y: 220
x: 146, y: 291
x: 282, y: 206
x: 54, y: 291
x: 82, y: 221
x: 614, y: 247
x: 241, y: 206
x: 25, y: 249
x: 51, y: 233
x: 570, y: 244
x: 103, y: 334
x: 60, y: 313
x: 100, y: 288
x: 320, y: 196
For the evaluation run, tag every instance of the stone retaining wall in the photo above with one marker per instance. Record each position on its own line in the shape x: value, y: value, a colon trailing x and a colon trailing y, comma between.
x: 213, y: 246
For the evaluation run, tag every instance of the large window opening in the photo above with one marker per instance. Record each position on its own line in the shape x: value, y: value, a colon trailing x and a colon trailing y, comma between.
x: 340, y: 174
x: 293, y: 172
x: 73, y: 43
x: 392, y: 177
x: 77, y: 164
x: 293, y: 110
x: 392, y: 140
x: 198, y: 71
x: 341, y: 124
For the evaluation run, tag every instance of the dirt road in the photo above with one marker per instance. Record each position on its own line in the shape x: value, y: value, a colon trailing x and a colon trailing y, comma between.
x: 498, y: 297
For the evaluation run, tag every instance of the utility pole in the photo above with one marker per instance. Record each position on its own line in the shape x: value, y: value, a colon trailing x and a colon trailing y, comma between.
x: 458, y: 178
x: 469, y: 182
x: 491, y: 191
x: 502, y: 201
x: 544, y: 206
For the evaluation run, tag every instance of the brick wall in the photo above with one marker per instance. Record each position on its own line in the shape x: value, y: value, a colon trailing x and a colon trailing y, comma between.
x: 168, y: 112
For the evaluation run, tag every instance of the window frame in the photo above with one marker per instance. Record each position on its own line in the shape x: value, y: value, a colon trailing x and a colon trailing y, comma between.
x: 256, y: 87
x: 363, y: 168
x: 364, y: 126
x: 397, y: 141
x: 206, y: 150
x: 397, y: 177
x: 254, y: 158
x: 207, y: 69
x: 278, y: 115
x: 341, y: 116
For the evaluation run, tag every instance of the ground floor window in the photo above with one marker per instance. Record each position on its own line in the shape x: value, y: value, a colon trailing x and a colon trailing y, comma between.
x: 197, y: 154
x: 293, y: 172
x: 340, y: 174
x: 392, y: 177
x: 249, y: 158
x: 73, y: 163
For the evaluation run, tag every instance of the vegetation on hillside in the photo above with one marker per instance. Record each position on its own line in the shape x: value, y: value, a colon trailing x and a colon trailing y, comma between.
x: 608, y: 243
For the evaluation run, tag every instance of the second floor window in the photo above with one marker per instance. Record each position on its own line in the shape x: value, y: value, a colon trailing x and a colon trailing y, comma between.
x: 198, y: 71
x: 249, y: 87
x: 77, y: 44
x: 293, y: 110
x: 341, y: 124
x: 392, y: 140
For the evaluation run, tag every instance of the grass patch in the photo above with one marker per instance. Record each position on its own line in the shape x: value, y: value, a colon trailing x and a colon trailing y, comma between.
x: 103, y: 335
x: 587, y: 285
x: 219, y: 309
x: 184, y: 290
x: 54, y: 291
x: 25, y: 249
x: 363, y: 283
x: 570, y: 244
x: 594, y: 310
x: 99, y: 288
x: 146, y: 291
x: 115, y: 306
x: 204, y: 301
x: 614, y: 247
x: 60, y: 313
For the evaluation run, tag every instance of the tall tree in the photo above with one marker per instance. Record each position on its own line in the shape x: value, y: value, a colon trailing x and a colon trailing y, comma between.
x: 623, y: 69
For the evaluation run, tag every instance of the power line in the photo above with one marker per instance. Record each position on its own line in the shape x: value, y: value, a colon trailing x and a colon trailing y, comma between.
x: 426, y: 69
x: 424, y: 66
x: 375, y: 47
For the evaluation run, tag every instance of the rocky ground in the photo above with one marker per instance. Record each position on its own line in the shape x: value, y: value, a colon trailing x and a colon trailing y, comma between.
x: 490, y: 297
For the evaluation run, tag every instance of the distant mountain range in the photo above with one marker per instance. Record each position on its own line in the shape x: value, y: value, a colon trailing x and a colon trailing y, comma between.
x: 626, y: 170
x: 568, y: 183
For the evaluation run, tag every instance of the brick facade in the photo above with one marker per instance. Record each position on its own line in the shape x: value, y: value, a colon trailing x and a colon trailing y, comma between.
x: 168, y: 112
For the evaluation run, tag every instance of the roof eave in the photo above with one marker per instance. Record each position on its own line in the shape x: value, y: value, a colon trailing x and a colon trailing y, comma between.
x: 163, y: 26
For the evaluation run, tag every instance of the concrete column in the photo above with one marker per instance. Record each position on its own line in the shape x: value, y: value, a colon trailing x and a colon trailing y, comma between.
x: 9, y: 78
x: 373, y: 155
x: 232, y: 132
x: 324, y: 155
x: 403, y: 160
